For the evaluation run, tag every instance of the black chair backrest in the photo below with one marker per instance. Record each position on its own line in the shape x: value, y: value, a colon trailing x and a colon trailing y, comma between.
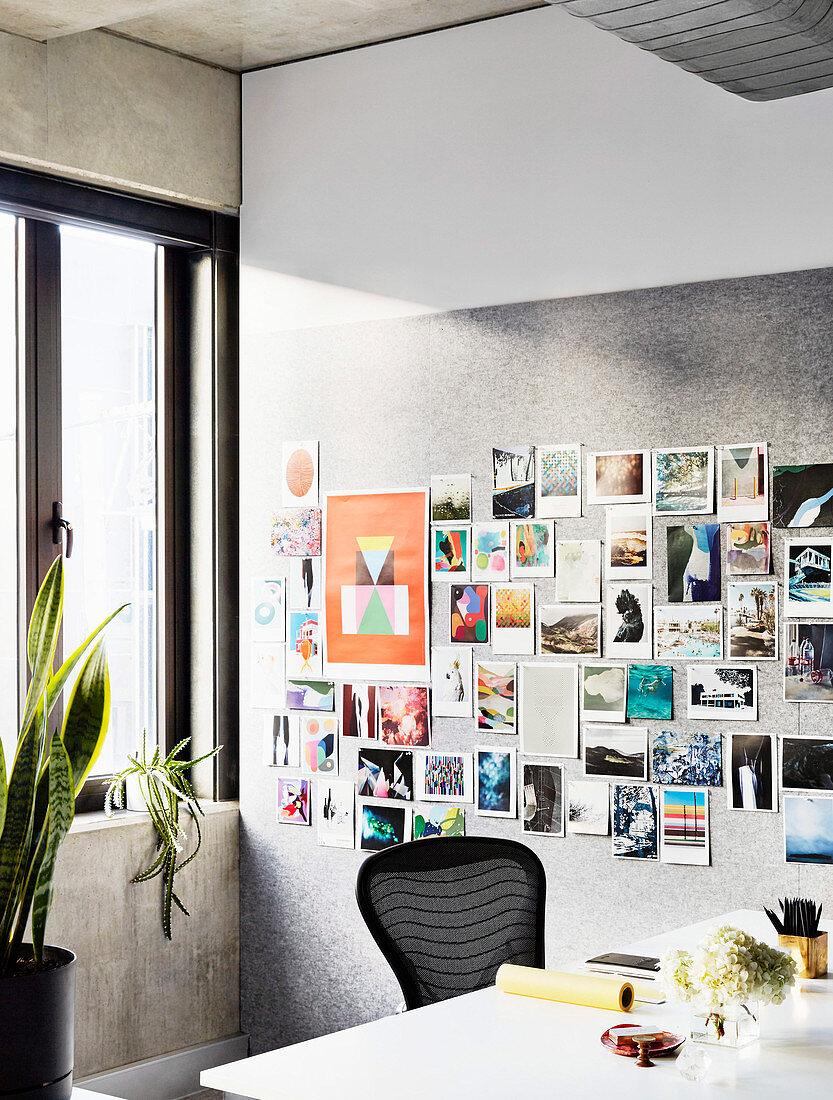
x: 447, y: 911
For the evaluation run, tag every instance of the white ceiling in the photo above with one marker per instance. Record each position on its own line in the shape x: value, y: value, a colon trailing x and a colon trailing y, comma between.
x: 244, y: 34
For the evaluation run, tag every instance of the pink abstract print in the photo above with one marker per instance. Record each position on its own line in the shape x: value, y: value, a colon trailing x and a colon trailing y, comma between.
x: 375, y: 604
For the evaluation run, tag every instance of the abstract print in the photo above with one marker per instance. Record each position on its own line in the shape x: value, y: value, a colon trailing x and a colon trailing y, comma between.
x: 358, y: 710
x: 300, y: 473
x: 382, y: 826
x: 685, y: 827
x: 375, y: 604
x: 293, y: 801
x: 559, y: 473
x: 310, y: 695
x: 386, y: 773
x: 490, y: 553
x: 282, y: 741
x: 802, y: 496
x: 513, y: 608
x: 451, y: 550
x: 748, y: 549
x: 496, y: 698
x: 619, y: 477
x: 533, y: 549
x: 296, y: 532
x: 403, y: 715
x: 319, y: 744
x: 268, y: 610
x: 442, y: 821
x: 470, y: 613
x: 376, y: 585
x: 495, y: 783
x: 446, y: 775
x: 335, y: 810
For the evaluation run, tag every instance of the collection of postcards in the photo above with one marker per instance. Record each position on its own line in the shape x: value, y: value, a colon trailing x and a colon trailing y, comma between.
x: 342, y: 649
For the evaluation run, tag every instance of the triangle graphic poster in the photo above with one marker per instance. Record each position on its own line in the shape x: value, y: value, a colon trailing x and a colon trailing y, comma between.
x: 375, y: 615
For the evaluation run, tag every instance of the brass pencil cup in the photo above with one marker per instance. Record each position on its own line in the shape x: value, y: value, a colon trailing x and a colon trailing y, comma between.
x: 809, y: 953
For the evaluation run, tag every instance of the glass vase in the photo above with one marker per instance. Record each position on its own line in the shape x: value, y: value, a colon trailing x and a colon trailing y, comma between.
x: 726, y: 1025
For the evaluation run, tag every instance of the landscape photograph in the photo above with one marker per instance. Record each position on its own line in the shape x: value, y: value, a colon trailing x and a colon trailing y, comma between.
x: 570, y: 628
x: 808, y: 830
x: 615, y: 753
x: 628, y: 541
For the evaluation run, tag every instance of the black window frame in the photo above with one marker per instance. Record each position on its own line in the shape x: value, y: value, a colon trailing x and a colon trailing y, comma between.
x: 201, y: 264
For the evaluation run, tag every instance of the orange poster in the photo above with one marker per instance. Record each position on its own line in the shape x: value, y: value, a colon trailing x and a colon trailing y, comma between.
x: 376, y: 585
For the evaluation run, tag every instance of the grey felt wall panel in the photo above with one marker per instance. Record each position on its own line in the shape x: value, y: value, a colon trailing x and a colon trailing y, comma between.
x: 395, y: 401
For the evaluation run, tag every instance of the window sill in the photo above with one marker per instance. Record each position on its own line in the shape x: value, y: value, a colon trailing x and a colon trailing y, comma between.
x: 92, y: 822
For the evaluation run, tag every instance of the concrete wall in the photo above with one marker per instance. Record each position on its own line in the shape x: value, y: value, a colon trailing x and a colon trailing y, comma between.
x: 533, y: 156
x: 138, y: 995
x: 100, y: 108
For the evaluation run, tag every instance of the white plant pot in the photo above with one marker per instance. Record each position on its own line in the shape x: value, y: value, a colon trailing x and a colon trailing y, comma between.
x: 133, y: 792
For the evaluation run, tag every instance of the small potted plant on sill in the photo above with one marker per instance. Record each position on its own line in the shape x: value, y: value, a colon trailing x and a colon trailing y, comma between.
x: 159, y: 785
x: 37, y: 805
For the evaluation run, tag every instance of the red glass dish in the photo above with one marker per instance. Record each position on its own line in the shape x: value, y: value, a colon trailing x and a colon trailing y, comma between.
x: 665, y: 1045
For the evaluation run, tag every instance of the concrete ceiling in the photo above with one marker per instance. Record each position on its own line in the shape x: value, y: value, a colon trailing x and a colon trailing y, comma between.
x: 245, y: 34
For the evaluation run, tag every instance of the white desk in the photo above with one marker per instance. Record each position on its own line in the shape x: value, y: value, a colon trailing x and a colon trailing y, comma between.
x: 495, y: 1045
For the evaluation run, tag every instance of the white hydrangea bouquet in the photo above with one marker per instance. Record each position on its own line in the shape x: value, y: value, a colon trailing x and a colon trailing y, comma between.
x: 729, y: 970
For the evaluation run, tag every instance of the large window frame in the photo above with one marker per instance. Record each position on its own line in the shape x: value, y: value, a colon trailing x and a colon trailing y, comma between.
x: 198, y: 448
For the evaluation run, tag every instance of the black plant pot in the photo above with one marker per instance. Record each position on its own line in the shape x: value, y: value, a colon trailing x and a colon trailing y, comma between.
x: 37, y: 1016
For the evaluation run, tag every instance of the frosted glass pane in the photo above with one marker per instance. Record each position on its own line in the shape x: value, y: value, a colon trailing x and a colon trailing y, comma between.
x: 108, y: 378
x: 8, y: 490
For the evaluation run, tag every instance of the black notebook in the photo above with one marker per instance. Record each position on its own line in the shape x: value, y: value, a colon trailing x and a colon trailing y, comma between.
x: 637, y: 966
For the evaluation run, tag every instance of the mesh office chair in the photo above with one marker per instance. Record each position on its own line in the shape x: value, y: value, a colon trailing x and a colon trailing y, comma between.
x: 447, y: 911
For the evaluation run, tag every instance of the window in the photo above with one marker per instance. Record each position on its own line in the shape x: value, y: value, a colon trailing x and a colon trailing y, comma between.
x: 8, y: 485
x: 118, y: 382
x: 109, y: 466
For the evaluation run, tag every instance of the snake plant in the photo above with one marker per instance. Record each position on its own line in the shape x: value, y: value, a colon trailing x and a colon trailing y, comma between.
x: 37, y: 795
x: 163, y: 786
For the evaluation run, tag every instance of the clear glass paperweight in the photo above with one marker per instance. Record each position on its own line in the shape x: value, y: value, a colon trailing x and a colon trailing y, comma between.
x: 693, y: 1063
x: 726, y: 1025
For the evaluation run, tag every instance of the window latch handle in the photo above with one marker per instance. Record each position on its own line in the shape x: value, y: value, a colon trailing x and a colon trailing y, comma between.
x: 59, y: 524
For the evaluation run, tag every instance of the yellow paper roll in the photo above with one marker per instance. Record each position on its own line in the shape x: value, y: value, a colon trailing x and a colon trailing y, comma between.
x: 557, y: 985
